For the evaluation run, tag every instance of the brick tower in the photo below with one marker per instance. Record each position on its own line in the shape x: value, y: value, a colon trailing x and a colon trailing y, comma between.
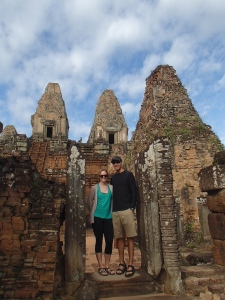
x: 50, y: 120
x: 109, y: 123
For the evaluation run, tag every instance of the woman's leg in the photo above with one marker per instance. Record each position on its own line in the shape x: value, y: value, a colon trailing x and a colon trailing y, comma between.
x: 108, y: 234
x: 98, y: 232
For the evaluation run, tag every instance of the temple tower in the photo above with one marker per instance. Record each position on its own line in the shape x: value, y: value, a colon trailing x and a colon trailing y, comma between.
x: 50, y: 120
x: 109, y: 123
x: 167, y: 111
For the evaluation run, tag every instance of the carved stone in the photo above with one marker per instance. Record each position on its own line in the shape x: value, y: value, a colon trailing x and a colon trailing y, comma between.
x: 75, y: 221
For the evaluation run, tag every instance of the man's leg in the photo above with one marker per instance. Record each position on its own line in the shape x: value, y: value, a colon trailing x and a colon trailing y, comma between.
x: 130, y: 242
x: 130, y: 268
x: 121, y: 246
x: 122, y: 265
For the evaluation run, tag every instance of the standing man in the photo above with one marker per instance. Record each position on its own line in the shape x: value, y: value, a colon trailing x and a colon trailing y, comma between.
x: 124, y: 202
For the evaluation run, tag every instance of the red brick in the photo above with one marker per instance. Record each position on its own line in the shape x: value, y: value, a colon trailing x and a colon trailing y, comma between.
x: 13, y: 194
x: 48, y: 277
x: 7, y: 226
x: 22, y: 194
x: 23, y: 210
x: 29, y: 243
x: 2, y: 200
x: 26, y: 201
x: 31, y: 255
x: 16, y: 241
x: 12, y: 201
x: 46, y: 257
x: 47, y: 288
x: 18, y: 223
x: 5, y: 193
x: 43, y: 249
x: 9, y: 294
x: 7, y: 234
x: 22, y: 294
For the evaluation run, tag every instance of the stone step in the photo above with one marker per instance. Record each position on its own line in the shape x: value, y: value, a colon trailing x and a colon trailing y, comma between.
x: 202, y: 270
x: 196, y: 285
x: 161, y: 296
x: 119, y: 285
x: 217, y: 288
x: 198, y: 279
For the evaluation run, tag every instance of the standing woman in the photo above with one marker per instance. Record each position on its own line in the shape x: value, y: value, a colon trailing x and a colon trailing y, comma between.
x: 100, y: 207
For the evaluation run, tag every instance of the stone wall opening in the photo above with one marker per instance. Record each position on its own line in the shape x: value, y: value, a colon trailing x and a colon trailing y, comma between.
x: 49, y: 131
x: 111, y: 138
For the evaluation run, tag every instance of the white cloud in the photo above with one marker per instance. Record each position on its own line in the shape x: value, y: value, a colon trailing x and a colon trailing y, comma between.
x: 130, y: 108
x: 221, y: 83
x: 82, y: 127
x: 88, y: 46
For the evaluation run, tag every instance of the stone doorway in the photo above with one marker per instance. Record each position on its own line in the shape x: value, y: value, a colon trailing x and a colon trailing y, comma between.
x: 49, y: 131
x: 111, y: 138
x: 156, y: 217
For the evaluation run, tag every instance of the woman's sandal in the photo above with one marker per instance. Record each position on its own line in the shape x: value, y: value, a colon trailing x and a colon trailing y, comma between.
x: 130, y: 271
x: 102, y: 272
x: 121, y: 271
x: 110, y: 271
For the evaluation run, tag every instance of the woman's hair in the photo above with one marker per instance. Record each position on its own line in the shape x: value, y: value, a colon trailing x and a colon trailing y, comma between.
x: 103, y: 170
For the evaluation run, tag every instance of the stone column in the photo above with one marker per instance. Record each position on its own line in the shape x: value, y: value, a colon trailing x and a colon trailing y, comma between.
x: 158, y: 222
x: 148, y: 213
x: 75, y: 222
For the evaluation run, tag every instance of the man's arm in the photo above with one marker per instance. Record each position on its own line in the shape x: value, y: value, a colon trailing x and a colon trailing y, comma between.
x: 133, y: 190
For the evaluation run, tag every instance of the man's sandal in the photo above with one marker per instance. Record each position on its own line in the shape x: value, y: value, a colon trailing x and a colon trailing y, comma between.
x: 121, y: 269
x: 102, y: 272
x: 110, y: 271
x: 130, y: 271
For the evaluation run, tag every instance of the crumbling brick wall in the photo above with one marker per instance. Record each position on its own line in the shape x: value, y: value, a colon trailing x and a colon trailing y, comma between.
x: 212, y: 181
x: 31, y: 211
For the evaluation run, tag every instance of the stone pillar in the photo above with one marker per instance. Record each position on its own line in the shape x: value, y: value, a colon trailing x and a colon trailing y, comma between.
x: 148, y: 213
x: 158, y: 220
x: 75, y: 222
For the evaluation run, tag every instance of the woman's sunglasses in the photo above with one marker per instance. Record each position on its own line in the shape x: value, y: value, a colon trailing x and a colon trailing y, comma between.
x: 102, y: 176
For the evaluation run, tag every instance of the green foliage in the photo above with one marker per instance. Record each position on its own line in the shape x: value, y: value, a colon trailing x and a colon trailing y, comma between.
x: 214, y: 140
x: 192, y: 237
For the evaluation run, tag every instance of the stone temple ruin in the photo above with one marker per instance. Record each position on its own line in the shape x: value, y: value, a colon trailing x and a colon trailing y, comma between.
x: 178, y: 164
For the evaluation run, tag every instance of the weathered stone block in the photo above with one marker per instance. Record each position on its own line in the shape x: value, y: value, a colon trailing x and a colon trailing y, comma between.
x: 216, y: 201
x: 219, y: 158
x: 218, y: 251
x: 212, y: 178
x: 217, y: 225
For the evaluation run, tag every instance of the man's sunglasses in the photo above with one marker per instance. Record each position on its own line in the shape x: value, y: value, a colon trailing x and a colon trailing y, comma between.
x: 116, y: 162
x: 102, y: 176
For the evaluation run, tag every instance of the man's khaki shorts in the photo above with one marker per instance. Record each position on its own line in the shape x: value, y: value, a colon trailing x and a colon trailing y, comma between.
x: 124, y: 224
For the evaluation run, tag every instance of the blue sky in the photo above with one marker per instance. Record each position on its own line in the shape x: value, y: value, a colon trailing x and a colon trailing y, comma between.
x: 91, y: 45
